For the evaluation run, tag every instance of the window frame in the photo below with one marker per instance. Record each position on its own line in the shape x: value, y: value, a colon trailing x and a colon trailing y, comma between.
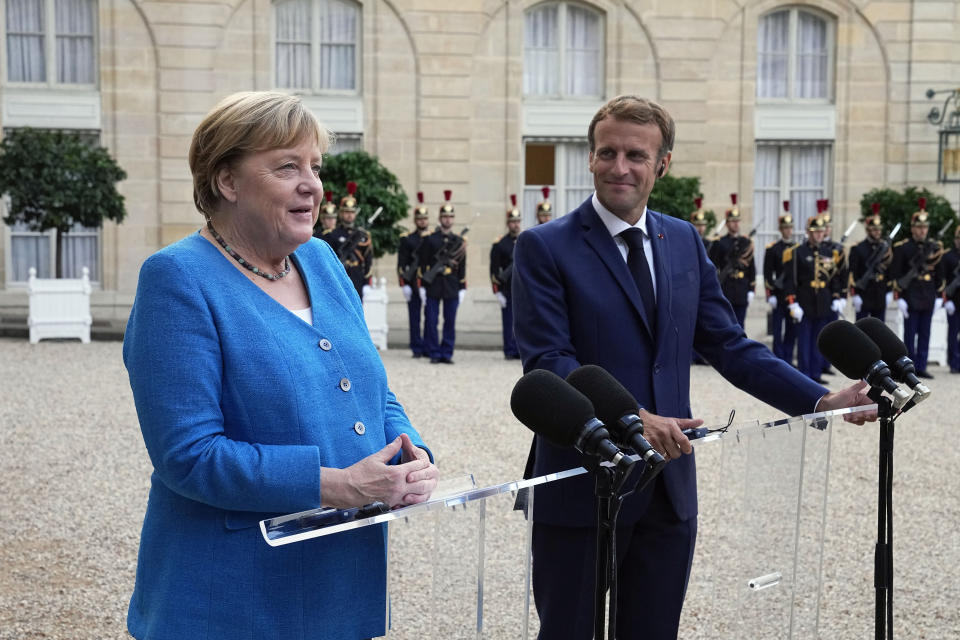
x: 793, y: 23
x: 50, y: 52
x: 767, y: 229
x: 561, y: 187
x: 315, y: 46
x: 562, y: 54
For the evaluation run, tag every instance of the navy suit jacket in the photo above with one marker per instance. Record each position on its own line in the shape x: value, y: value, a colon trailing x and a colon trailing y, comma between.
x: 575, y: 303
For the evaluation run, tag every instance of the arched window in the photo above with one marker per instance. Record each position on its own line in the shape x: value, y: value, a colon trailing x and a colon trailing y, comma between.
x: 317, y: 45
x: 563, y: 51
x: 51, y: 42
x: 795, y: 56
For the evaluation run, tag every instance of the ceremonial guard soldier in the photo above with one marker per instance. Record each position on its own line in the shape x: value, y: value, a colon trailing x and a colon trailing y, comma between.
x: 699, y: 221
x: 443, y: 269
x: 869, y: 262
x: 811, y: 287
x: 408, y: 265
x: 545, y: 209
x: 732, y: 254
x: 352, y: 243
x: 840, y: 258
x: 917, y: 283
x: 328, y: 218
x: 951, y: 297
x: 782, y: 326
x: 501, y: 273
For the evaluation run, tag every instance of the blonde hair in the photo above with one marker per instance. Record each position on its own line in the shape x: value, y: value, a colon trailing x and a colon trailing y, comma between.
x: 242, y: 123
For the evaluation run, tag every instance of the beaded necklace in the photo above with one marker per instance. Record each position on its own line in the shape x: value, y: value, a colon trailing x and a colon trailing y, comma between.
x: 236, y: 256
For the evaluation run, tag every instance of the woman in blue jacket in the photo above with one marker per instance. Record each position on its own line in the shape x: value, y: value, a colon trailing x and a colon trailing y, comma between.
x: 259, y: 392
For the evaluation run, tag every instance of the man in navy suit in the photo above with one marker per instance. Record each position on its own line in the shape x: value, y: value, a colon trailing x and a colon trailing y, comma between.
x: 576, y: 302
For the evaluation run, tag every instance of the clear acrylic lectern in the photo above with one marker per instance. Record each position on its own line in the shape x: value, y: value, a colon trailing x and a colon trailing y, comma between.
x: 459, y: 564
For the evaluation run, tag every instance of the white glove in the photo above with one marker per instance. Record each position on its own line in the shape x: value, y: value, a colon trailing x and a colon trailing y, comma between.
x: 796, y: 312
x: 502, y: 299
x: 858, y: 303
x: 938, y: 304
x: 365, y: 290
x: 903, y: 308
x: 950, y: 307
x: 423, y: 295
x: 837, y: 305
x: 772, y: 301
x: 407, y: 292
x: 749, y: 297
x: 461, y: 295
x: 889, y: 299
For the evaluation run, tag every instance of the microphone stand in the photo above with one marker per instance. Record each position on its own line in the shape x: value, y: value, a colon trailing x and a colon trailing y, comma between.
x: 883, y: 552
x: 608, y: 488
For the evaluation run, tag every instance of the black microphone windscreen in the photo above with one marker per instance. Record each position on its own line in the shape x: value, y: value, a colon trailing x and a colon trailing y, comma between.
x: 848, y: 348
x: 610, y: 399
x: 891, y: 347
x: 550, y: 407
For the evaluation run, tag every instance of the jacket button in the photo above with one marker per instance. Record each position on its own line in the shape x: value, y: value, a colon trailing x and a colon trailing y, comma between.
x: 359, y: 428
x: 657, y: 368
x: 345, y: 384
x: 325, y: 344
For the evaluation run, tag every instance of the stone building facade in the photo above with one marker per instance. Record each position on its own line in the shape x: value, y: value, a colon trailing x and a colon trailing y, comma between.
x: 773, y: 99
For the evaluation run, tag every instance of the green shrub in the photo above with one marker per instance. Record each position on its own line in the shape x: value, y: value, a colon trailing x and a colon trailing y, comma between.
x: 674, y: 197
x: 896, y: 206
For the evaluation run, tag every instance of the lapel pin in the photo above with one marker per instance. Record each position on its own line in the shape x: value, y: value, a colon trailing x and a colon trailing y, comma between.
x: 660, y: 235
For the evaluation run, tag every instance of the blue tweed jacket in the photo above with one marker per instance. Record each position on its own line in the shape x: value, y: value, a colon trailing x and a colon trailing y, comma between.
x: 241, y: 403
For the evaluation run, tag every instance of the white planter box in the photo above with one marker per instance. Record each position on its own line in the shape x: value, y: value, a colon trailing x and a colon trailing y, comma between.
x: 937, y: 350
x: 375, y: 310
x: 59, y: 307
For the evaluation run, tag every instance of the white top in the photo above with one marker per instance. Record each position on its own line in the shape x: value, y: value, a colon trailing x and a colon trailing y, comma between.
x: 304, y: 314
x: 615, y: 226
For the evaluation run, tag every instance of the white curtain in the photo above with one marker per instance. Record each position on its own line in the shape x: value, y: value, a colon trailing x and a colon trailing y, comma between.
x: 338, y: 44
x: 577, y: 177
x: 773, y: 36
x: 807, y: 179
x: 812, y: 57
x: 583, y: 52
x: 293, y: 43
x: 541, y: 55
x: 26, y: 61
x: 29, y: 249
x: 766, y: 198
x: 532, y: 196
x: 79, y: 249
x: 75, y: 20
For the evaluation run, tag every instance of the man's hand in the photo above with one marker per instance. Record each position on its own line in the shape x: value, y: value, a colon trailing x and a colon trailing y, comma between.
x: 750, y: 295
x: 407, y: 292
x: 502, y: 299
x: 666, y: 434
x: 903, y: 308
x: 857, y: 303
x: 853, y: 396
x: 461, y: 295
x: 796, y: 312
x: 950, y: 307
x: 772, y: 301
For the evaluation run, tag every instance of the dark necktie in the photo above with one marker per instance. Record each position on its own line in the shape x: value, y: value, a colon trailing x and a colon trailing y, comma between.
x: 640, y: 270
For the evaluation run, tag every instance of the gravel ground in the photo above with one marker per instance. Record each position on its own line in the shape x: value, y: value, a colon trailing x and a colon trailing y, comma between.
x: 74, y: 479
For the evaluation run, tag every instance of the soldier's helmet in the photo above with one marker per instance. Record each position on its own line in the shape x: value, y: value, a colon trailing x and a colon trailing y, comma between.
x: 873, y: 221
x: 446, y: 209
x: 328, y: 209
x: 545, y: 208
x: 513, y: 213
x: 823, y: 207
x: 348, y: 202
x: 420, y: 211
x: 920, y: 218
x: 733, y: 213
x: 699, y: 216
x: 815, y: 223
x: 786, y: 220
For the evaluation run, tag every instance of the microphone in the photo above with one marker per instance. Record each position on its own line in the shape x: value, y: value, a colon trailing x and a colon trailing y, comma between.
x: 856, y: 356
x: 616, y: 407
x: 893, y: 350
x: 563, y: 416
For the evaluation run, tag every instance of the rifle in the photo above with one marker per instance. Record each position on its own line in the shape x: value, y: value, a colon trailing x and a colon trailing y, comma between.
x: 734, y: 254
x: 864, y: 281
x: 944, y: 230
x: 504, y: 275
x: 347, y: 250
x: 376, y: 214
x: 449, y: 253
x: 846, y: 234
x: 917, y: 264
x: 410, y: 273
